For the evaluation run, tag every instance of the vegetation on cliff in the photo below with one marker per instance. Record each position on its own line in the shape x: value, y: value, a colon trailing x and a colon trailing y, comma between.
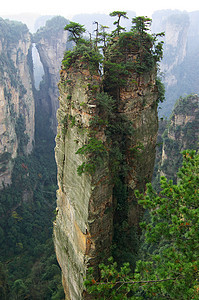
x: 121, y: 60
x: 116, y: 63
x: 13, y: 30
x: 52, y: 27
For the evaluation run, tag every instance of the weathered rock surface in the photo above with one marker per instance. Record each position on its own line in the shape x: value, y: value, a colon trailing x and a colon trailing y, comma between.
x: 138, y: 104
x: 83, y: 227
x: 16, y: 93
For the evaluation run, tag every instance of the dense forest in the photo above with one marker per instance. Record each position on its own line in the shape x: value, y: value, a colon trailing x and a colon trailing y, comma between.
x: 28, y: 265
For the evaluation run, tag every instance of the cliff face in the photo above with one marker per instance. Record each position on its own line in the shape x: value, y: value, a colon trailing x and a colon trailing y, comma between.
x: 16, y: 95
x: 83, y: 225
x: 51, y: 43
x: 181, y: 134
x: 105, y: 148
x: 180, y: 62
x: 138, y: 105
x: 176, y: 33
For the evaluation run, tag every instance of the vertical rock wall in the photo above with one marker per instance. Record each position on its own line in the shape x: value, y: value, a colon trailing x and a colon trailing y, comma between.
x: 83, y: 227
x: 51, y: 44
x: 16, y: 93
x: 138, y: 105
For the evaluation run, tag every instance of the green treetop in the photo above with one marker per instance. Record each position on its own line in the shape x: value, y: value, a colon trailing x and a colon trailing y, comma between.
x: 119, y: 14
x: 141, y: 24
x: 76, y: 31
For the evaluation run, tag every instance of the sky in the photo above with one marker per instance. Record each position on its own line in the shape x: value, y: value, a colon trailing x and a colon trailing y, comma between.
x: 69, y: 8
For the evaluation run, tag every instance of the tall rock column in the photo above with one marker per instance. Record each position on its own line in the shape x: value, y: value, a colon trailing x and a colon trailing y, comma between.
x: 51, y: 44
x: 105, y: 150
x: 17, y: 108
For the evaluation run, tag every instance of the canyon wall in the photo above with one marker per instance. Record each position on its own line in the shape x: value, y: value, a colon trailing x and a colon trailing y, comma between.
x: 16, y: 95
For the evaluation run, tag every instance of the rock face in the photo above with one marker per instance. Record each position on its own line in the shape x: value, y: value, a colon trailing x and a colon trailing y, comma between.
x: 16, y: 94
x: 181, y: 133
x: 138, y: 105
x: 51, y: 42
x: 120, y: 133
x: 176, y: 30
x: 83, y: 226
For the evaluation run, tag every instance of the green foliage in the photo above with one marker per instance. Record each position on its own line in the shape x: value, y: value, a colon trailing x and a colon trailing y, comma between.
x: 161, y: 90
x: 171, y: 272
x: 82, y: 53
x: 116, y: 74
x: 141, y: 25
x: 146, y: 48
x: 51, y: 28
x: 117, y: 66
x: 119, y: 14
x: 22, y: 137
x: 103, y: 36
x: 76, y: 31
x: 95, y: 152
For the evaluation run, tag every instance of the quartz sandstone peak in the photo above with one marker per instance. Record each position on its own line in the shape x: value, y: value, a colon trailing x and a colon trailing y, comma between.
x: 88, y: 215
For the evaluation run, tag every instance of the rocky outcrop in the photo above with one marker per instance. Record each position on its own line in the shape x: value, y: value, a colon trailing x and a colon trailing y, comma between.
x: 105, y: 149
x: 16, y: 94
x: 51, y: 42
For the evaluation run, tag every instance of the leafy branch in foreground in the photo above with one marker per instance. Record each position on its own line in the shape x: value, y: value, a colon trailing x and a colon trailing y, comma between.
x: 171, y: 271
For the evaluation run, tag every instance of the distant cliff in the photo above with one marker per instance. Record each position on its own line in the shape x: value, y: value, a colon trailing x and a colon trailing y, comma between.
x: 51, y: 43
x: 181, y: 133
x: 105, y: 149
x: 180, y: 64
x: 16, y: 95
